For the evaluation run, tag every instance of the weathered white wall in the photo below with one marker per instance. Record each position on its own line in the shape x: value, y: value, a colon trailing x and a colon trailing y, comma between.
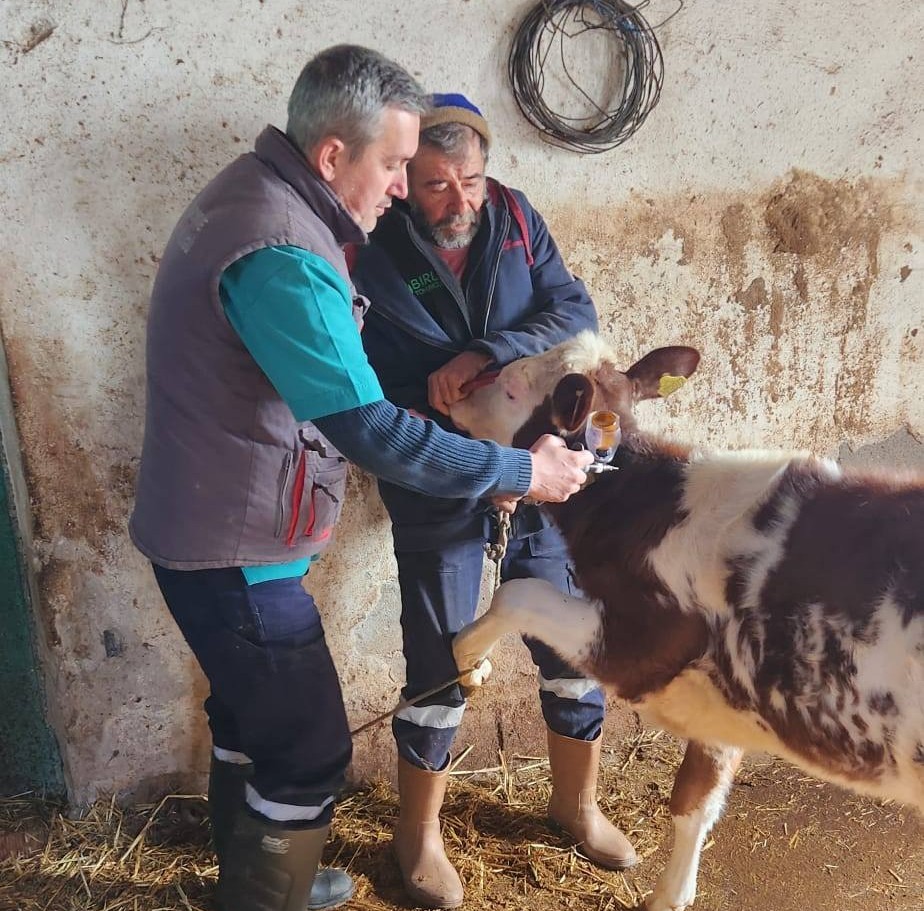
x: 770, y: 212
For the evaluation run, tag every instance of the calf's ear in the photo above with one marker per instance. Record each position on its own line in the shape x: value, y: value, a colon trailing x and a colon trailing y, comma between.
x: 662, y: 371
x: 571, y: 402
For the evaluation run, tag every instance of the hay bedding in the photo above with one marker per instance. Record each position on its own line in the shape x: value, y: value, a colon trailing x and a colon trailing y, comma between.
x: 157, y: 858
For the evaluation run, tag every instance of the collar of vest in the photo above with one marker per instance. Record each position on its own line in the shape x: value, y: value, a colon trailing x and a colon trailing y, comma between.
x: 276, y: 150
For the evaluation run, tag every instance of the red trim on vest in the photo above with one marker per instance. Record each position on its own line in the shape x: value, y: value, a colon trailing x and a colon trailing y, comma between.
x: 309, y: 526
x: 298, y: 488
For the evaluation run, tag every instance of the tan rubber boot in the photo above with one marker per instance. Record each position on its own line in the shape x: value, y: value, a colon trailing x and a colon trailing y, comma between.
x: 430, y: 880
x: 573, y: 804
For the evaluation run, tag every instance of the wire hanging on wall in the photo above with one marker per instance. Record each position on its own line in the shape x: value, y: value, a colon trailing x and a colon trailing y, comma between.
x: 546, y: 25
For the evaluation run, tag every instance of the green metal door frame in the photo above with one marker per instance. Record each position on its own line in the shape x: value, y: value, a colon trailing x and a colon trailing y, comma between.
x: 29, y: 756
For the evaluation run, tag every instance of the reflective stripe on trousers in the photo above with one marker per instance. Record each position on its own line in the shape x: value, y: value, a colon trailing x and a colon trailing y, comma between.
x: 262, y: 649
x: 439, y: 596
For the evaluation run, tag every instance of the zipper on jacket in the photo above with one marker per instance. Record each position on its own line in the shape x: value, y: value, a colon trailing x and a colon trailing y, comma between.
x: 493, y: 285
x: 283, y: 487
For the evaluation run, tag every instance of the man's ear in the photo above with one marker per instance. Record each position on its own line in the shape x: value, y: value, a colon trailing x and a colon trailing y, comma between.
x: 662, y: 371
x: 571, y: 402
x: 326, y: 157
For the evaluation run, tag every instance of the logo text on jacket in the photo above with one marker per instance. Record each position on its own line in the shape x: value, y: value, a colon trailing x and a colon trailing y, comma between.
x: 424, y: 283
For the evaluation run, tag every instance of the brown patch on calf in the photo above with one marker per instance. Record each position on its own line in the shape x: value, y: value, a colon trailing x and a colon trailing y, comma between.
x: 610, y: 528
x: 698, y: 775
x: 538, y: 423
x: 850, y: 545
x: 883, y: 704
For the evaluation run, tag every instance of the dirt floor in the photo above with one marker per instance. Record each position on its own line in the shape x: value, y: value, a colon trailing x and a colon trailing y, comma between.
x: 786, y: 843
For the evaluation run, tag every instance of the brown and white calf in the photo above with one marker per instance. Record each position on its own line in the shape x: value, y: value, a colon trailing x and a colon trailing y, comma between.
x: 741, y: 600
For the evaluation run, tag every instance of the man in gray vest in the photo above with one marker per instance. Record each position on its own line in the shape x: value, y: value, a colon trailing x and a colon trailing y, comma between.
x: 258, y: 391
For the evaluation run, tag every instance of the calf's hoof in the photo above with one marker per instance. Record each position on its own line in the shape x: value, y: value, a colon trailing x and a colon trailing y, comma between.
x: 477, y: 676
x: 661, y: 903
x: 474, y: 667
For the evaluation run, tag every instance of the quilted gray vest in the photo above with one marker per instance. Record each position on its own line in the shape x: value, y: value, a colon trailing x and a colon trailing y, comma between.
x: 227, y: 476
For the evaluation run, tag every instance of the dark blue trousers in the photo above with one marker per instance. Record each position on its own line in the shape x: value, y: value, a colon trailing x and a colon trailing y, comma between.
x: 439, y: 596
x: 275, y: 696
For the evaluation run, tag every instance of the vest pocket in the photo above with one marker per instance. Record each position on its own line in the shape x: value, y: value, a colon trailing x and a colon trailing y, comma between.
x: 328, y: 489
x: 311, y: 496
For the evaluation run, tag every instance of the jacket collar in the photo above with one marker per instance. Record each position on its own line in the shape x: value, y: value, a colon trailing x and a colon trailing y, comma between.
x: 277, y: 151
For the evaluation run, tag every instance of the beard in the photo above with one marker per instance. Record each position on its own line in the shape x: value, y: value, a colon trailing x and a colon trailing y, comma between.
x: 451, y: 233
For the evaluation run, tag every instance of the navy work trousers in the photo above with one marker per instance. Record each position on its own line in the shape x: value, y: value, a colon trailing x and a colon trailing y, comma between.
x: 275, y: 696
x: 439, y: 596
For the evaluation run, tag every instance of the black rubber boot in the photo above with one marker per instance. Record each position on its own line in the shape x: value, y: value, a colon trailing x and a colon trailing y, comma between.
x: 269, y: 868
x: 329, y: 887
x: 226, y: 799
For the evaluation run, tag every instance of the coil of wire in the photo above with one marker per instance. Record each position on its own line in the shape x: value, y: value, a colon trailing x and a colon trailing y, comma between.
x: 634, y: 42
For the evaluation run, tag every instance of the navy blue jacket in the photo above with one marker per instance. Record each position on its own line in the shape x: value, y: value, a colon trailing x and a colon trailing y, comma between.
x: 516, y: 298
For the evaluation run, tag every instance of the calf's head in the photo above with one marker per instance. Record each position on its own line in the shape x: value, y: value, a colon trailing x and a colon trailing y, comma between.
x: 554, y: 392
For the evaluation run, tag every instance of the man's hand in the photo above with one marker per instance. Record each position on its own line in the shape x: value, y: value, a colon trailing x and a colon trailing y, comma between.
x: 444, y: 385
x: 558, y: 471
x: 505, y: 504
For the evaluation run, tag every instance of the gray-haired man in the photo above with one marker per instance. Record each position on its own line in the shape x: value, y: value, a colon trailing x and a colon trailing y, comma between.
x: 258, y: 392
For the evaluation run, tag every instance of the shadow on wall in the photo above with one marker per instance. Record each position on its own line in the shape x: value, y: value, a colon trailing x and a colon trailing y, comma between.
x: 901, y: 450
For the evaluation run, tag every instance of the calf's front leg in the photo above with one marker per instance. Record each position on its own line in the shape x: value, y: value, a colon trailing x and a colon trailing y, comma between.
x: 569, y: 625
x: 698, y: 797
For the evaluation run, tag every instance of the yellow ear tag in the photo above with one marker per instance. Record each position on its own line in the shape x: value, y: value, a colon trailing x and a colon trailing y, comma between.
x: 669, y: 384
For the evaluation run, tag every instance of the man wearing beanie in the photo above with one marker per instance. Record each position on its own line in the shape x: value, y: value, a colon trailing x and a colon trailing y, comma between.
x: 465, y: 276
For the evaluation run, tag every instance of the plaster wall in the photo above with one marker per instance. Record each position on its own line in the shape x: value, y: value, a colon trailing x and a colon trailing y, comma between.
x: 769, y: 212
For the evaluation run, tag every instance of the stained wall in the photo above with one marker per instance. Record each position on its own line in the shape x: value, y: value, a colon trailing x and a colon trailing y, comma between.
x: 769, y: 212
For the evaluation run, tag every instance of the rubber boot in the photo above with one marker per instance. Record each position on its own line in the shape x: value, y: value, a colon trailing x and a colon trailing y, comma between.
x: 573, y: 804
x: 330, y: 887
x: 430, y: 880
x: 267, y: 867
x: 226, y: 799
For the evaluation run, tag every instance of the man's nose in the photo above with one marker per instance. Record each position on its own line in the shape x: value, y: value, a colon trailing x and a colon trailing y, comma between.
x: 399, y: 186
x: 457, y: 202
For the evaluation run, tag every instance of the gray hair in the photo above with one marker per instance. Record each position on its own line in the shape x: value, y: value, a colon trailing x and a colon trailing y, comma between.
x: 452, y: 139
x: 343, y: 92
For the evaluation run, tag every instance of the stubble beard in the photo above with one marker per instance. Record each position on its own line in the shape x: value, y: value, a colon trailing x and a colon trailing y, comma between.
x: 443, y: 234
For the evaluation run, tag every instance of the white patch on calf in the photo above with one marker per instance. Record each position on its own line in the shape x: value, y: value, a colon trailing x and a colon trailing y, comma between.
x: 676, y: 887
x: 534, y: 607
x: 720, y: 490
x: 890, y: 665
x: 499, y: 410
x: 777, y: 701
x: 692, y: 707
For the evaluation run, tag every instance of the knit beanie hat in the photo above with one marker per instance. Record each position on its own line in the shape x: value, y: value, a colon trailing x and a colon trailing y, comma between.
x: 451, y: 107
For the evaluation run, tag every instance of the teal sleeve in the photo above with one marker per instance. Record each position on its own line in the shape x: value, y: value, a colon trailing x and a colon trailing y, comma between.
x: 293, y: 312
